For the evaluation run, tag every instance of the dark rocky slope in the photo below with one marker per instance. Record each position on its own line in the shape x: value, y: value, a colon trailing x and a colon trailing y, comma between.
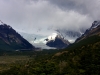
x: 93, y: 30
x: 58, y: 42
x: 11, y: 40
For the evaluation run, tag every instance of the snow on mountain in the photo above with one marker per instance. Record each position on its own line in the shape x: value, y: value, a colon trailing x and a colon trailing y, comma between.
x: 52, y: 36
x: 36, y: 40
x: 70, y: 35
x: 57, y: 41
x: 95, y: 24
x: 93, y: 30
x: 41, y: 41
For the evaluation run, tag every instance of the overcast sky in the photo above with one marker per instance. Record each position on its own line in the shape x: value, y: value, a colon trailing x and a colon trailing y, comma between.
x: 45, y: 16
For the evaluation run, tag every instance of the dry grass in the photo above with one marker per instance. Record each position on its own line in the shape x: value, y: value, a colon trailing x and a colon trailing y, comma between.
x: 60, y: 53
x: 7, y: 61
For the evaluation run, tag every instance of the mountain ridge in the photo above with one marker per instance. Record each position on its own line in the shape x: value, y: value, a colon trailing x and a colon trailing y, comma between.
x: 11, y: 39
x: 93, y: 30
x: 58, y: 42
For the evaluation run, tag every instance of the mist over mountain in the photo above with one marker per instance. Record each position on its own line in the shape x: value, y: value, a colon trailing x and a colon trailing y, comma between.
x: 79, y: 58
x: 70, y: 35
x: 36, y: 40
x: 40, y: 41
x: 57, y: 41
x: 40, y: 16
x: 68, y: 18
x: 93, y: 30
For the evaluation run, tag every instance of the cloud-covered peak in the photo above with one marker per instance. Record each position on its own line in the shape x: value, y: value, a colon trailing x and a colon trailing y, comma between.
x: 43, y: 17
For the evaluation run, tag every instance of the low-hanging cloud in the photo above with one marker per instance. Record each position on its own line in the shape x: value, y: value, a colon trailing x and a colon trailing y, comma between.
x: 41, y: 16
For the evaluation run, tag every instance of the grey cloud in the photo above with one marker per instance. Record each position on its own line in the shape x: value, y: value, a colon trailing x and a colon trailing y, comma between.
x: 48, y: 15
x: 88, y: 7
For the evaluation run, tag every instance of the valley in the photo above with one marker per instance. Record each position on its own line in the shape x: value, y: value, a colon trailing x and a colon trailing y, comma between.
x: 79, y: 58
x: 49, y: 37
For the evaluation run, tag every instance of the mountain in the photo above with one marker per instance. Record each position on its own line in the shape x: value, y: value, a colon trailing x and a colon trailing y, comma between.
x: 11, y: 40
x: 36, y: 40
x: 39, y: 40
x: 93, y: 30
x: 71, y: 35
x: 57, y: 41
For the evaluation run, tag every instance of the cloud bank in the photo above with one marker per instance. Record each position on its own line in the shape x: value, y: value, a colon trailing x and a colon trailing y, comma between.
x: 43, y: 17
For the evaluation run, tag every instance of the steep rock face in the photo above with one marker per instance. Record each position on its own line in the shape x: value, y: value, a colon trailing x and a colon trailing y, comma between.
x: 10, y: 39
x: 58, y: 42
x: 93, y: 30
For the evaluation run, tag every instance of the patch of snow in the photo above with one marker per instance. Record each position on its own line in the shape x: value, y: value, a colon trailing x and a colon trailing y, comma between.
x: 95, y: 24
x: 52, y: 37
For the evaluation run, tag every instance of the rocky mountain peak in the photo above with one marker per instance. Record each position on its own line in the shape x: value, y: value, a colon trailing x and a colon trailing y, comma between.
x: 59, y: 42
x: 11, y: 39
x: 95, y: 24
x: 93, y: 30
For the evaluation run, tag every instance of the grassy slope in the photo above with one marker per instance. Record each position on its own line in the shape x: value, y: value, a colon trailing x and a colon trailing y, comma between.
x: 7, y: 61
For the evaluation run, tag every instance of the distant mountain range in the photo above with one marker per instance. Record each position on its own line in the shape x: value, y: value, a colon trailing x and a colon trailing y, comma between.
x: 46, y: 42
x: 70, y: 35
x: 60, y: 42
x: 12, y: 40
x: 36, y: 40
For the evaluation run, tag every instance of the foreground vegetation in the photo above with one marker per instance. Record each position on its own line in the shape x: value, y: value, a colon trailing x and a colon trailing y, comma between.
x: 82, y: 58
